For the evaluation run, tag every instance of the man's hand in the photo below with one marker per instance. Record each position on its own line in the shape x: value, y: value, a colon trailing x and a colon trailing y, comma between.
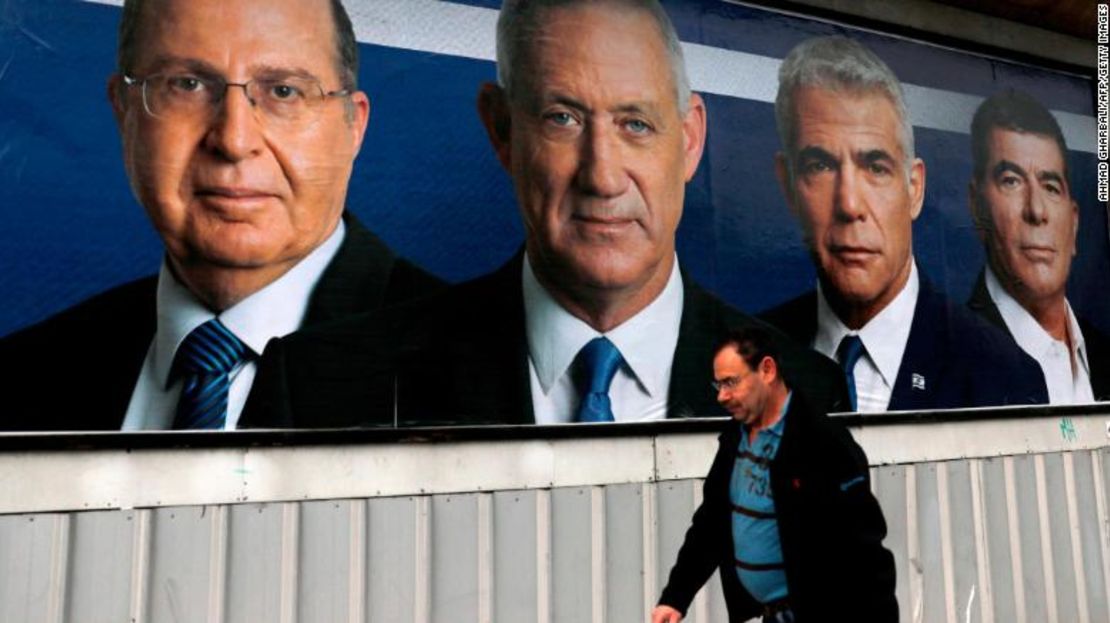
x: 665, y: 614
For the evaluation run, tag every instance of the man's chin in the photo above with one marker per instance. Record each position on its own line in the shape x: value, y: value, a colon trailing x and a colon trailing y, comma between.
x: 741, y: 417
x: 237, y: 257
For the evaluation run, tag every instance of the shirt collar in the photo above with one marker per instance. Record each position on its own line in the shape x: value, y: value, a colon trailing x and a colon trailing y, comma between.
x: 884, y: 336
x: 273, y: 311
x: 646, y: 341
x: 1027, y: 332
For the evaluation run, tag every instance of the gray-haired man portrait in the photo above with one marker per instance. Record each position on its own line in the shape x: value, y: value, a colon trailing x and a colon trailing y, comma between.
x: 593, y: 320
x: 850, y: 176
x: 1021, y: 202
x: 240, y: 123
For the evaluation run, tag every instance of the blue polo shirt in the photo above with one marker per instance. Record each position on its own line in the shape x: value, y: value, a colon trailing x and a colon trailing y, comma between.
x: 755, y: 529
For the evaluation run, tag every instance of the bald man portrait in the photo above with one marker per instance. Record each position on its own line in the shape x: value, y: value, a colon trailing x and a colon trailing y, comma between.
x: 593, y: 119
x: 240, y: 123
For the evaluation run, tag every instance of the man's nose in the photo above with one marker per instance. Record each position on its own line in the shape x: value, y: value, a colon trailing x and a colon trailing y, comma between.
x: 849, y: 204
x: 235, y: 131
x: 601, y: 170
x: 1035, y: 211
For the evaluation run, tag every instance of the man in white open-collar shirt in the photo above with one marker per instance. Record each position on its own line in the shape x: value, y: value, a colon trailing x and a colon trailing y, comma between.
x: 1021, y: 203
x: 849, y: 175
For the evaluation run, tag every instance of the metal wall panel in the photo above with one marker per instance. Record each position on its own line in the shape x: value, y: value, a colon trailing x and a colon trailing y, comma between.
x: 1087, y: 536
x: 930, y: 565
x: 99, y: 574
x: 1059, y: 547
x: 180, y: 563
x: 572, y: 566
x: 254, y: 560
x: 394, y: 560
x: 997, y: 541
x: 454, y: 548
x: 27, y: 556
x: 324, y: 552
x: 624, y: 546
x: 517, y: 562
x: 961, y: 531
x: 959, y: 545
x: 1032, y: 585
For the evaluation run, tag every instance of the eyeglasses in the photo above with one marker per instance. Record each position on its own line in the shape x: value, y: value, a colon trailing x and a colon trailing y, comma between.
x: 190, y: 97
x: 730, y: 382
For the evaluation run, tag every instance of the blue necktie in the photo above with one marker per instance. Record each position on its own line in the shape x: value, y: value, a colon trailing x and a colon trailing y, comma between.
x: 204, y: 360
x: 595, y: 366
x: 848, y: 353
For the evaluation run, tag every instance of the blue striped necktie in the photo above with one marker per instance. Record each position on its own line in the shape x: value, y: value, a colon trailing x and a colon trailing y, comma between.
x: 204, y: 360
x: 594, y: 367
x: 848, y: 353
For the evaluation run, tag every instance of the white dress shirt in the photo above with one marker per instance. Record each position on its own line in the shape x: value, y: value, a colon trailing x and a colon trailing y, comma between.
x: 646, y: 341
x: 884, y: 340
x: 1066, y: 373
x: 273, y: 311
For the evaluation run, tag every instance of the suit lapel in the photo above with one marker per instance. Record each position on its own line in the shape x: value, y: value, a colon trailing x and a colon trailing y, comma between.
x: 918, y: 373
x: 692, y: 366
x: 1098, y: 360
x: 982, y: 303
x: 478, y: 340
x: 356, y: 279
x: 797, y: 318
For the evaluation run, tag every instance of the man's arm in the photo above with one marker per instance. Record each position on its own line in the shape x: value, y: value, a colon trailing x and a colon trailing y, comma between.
x: 706, y: 538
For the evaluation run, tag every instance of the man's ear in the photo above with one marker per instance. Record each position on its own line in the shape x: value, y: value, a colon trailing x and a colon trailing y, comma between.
x: 359, y: 118
x: 693, y: 132
x: 116, y: 97
x: 917, y: 187
x: 493, y: 108
x: 769, y: 369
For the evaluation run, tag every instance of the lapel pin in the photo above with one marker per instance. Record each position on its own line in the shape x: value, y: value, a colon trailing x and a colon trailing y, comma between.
x: 918, y: 381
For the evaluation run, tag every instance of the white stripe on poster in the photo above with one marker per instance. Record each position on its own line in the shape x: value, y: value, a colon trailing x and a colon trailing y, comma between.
x: 466, y: 31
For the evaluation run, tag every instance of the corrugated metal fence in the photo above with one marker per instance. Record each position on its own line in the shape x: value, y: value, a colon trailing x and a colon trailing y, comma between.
x: 1011, y: 526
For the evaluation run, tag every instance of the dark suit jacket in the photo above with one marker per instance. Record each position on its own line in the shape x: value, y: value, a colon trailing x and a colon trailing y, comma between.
x: 461, y: 357
x: 1098, y: 344
x: 958, y: 359
x: 77, y: 370
x: 830, y: 527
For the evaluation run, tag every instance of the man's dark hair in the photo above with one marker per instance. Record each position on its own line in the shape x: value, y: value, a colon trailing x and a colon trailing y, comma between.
x: 1015, y: 111
x: 752, y: 344
x: 346, y: 47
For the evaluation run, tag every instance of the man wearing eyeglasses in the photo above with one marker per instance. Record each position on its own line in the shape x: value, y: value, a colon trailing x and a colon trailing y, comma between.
x: 240, y: 123
x: 787, y: 516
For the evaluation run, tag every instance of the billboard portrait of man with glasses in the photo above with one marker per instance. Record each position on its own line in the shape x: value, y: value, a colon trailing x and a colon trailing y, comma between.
x: 240, y: 123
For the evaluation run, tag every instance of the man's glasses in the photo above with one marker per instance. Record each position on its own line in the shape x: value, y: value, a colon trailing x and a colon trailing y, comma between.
x: 183, y: 96
x: 730, y: 382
